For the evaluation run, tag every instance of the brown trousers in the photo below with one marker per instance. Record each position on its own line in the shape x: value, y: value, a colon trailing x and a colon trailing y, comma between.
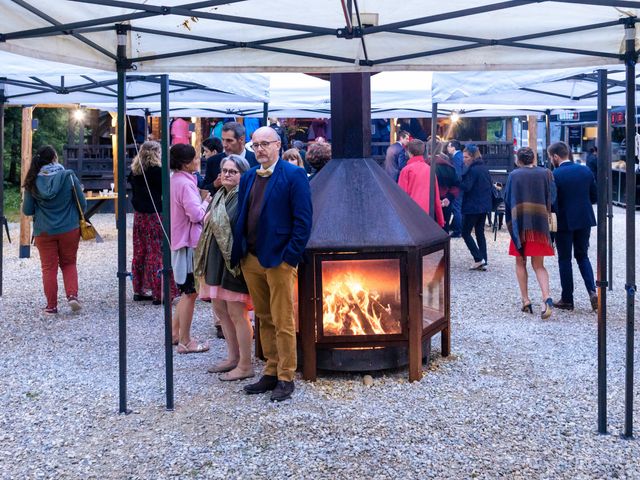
x: 271, y: 291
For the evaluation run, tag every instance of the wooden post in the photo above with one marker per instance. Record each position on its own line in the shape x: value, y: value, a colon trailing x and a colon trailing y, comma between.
x: 509, y: 130
x: 27, y: 146
x: 532, y: 133
x: 155, y: 128
x: 414, y: 320
x: 445, y: 335
x: 196, y: 138
x: 307, y: 320
x: 393, y: 134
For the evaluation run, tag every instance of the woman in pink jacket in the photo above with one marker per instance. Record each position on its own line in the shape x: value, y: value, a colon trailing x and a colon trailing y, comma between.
x: 187, y: 212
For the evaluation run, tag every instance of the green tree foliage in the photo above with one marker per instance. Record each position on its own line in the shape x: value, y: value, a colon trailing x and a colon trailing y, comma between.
x: 52, y: 130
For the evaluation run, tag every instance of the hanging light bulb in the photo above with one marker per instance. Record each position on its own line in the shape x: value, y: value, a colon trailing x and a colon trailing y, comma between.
x: 455, y: 117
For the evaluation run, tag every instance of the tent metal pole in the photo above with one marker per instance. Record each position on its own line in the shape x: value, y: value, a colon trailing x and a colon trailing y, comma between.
x: 547, y: 136
x: 265, y: 114
x: 609, y: 210
x: 3, y: 220
x: 601, y: 283
x: 432, y: 173
x: 167, y: 278
x: 630, y: 286
x: 121, y: 221
x: 147, y: 116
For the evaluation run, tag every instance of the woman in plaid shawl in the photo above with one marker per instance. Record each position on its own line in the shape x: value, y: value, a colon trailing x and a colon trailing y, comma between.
x: 529, y: 195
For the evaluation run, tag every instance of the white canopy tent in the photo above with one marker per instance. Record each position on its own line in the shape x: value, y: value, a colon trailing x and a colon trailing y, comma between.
x: 336, y: 36
x: 243, y: 35
x: 559, y: 89
x: 34, y: 81
x: 296, y: 95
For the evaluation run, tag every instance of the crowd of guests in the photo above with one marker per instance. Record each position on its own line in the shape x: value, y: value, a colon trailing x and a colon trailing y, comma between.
x: 541, y: 208
x: 239, y: 232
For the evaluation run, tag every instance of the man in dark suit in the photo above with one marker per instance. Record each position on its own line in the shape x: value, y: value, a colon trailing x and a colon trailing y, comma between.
x: 454, y: 149
x: 396, y: 159
x: 576, y: 195
x: 233, y: 137
x: 270, y: 235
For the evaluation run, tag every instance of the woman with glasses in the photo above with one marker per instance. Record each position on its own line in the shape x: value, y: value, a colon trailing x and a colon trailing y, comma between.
x: 221, y: 283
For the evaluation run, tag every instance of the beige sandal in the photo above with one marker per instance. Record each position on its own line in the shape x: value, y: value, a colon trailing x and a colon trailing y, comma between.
x: 226, y: 378
x: 194, y: 346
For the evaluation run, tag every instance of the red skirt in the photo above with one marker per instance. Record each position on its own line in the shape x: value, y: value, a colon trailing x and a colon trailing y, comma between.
x: 532, y: 249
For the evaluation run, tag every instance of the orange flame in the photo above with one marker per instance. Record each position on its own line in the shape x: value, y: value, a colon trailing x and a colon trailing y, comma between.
x: 350, y: 309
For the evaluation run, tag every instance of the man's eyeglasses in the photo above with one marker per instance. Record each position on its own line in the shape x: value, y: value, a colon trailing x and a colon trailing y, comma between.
x: 226, y: 171
x: 263, y: 144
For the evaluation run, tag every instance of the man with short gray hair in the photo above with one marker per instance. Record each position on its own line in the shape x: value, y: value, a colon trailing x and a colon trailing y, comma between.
x: 233, y: 139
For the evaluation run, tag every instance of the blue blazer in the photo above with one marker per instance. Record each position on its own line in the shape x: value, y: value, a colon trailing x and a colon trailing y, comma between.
x: 458, y: 163
x: 285, y: 219
x: 577, y: 191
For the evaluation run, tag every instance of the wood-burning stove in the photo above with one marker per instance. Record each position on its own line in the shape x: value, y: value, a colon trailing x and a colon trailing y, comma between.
x: 374, y: 287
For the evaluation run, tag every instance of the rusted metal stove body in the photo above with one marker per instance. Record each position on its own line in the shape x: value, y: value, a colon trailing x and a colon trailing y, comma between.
x: 375, y: 284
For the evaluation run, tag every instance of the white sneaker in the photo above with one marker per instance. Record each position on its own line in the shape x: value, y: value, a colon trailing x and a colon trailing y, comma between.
x: 74, y: 303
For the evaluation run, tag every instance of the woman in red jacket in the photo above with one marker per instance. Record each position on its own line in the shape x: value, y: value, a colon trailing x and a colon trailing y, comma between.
x: 415, y: 178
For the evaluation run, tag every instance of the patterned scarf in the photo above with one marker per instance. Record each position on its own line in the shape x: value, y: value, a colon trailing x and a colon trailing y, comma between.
x: 528, y: 197
x: 218, y: 228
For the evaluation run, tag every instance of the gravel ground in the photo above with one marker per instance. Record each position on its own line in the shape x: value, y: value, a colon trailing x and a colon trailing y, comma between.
x: 517, y: 399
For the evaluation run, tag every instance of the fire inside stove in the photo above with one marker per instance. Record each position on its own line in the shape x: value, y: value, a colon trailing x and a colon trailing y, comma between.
x: 361, y: 297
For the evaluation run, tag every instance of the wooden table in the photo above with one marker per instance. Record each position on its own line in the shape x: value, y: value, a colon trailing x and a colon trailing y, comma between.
x: 99, y: 199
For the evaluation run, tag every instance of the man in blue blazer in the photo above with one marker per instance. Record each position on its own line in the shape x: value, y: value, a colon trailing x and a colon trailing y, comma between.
x: 233, y: 135
x: 576, y: 194
x: 270, y: 235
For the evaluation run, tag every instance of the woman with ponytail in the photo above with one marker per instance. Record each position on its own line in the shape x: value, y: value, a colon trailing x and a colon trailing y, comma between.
x: 146, y: 197
x: 48, y: 196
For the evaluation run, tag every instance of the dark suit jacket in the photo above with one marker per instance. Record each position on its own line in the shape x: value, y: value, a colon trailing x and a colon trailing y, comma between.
x: 285, y: 219
x: 576, y: 193
x: 477, y: 187
x: 213, y: 169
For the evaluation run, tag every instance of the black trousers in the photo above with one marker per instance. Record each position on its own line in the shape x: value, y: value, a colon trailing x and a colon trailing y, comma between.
x: 475, y: 221
x: 578, y: 241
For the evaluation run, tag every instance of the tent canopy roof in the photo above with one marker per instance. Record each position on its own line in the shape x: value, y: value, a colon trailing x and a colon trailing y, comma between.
x: 327, y: 36
x: 559, y: 89
x: 31, y: 81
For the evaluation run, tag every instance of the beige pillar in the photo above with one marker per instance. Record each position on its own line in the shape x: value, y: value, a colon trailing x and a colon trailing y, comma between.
x: 27, y: 147
x: 196, y: 137
x: 393, y: 134
x: 532, y: 133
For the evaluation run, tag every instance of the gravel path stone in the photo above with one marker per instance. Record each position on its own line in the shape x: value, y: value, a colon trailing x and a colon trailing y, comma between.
x: 516, y: 399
